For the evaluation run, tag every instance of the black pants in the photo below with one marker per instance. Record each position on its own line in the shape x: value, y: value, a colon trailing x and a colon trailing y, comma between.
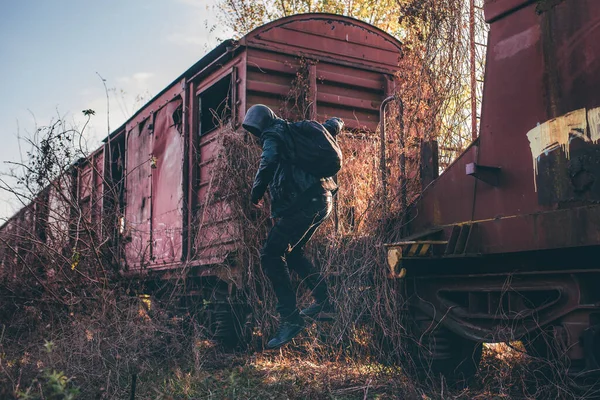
x: 284, y: 249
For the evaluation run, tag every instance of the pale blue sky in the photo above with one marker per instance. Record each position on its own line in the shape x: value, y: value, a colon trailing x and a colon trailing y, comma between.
x: 50, y: 52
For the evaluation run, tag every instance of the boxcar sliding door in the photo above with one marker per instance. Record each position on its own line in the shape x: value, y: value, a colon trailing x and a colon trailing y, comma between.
x: 166, y: 185
x: 153, y: 212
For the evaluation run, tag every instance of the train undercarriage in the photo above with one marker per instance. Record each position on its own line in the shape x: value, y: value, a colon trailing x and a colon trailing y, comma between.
x: 539, y: 298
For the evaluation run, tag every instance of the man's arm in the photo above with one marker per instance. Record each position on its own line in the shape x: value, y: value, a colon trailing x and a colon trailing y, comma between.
x: 268, y: 164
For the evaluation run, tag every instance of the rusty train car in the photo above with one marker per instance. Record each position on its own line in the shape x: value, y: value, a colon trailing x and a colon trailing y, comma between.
x: 504, y: 244
x: 352, y: 72
x: 144, y: 189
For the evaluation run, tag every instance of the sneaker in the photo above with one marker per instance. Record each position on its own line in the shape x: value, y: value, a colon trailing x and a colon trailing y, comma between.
x: 286, y: 332
x: 316, y: 308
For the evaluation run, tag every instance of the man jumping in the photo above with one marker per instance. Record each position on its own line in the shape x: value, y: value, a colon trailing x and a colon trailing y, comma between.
x: 300, y: 202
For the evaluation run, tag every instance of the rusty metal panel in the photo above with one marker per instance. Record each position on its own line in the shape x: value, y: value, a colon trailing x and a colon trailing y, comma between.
x: 215, y: 231
x: 85, y: 189
x: 98, y: 191
x: 344, y: 91
x: 27, y: 234
x: 269, y: 78
x: 540, y: 127
x: 558, y: 80
x: 327, y: 36
x: 41, y: 215
x: 85, y: 180
x: 218, y: 233
x: 59, y: 211
x: 9, y: 234
x: 270, y: 63
x: 349, y: 93
x: 455, y: 197
x: 90, y: 187
x: 514, y: 42
x: 137, y: 210
x: 166, y: 186
x: 572, y: 227
x: 449, y: 198
x: 208, y: 150
x: 328, y: 73
x: 170, y: 93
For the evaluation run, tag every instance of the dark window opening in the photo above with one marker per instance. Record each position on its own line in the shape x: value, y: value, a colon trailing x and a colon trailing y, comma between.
x: 214, y: 106
x: 178, y: 116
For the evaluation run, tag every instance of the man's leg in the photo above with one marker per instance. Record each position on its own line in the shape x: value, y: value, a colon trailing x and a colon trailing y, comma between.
x: 321, y: 208
x: 274, y: 266
x: 310, y: 276
x: 285, y: 232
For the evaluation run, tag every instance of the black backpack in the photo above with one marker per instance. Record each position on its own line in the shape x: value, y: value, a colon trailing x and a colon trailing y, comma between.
x: 314, y: 149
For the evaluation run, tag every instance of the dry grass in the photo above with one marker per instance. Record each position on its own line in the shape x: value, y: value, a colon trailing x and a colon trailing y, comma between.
x: 291, y: 374
x: 172, y: 360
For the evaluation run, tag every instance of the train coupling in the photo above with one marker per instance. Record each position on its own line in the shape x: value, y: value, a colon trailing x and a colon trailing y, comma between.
x: 399, y: 252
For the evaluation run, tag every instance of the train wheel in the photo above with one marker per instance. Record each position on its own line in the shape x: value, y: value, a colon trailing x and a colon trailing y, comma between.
x: 542, y: 344
x: 221, y: 326
x: 221, y: 319
x: 224, y: 318
x: 436, y: 351
x: 551, y: 346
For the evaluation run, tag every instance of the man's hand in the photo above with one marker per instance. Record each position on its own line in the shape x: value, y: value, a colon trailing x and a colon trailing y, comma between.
x: 258, y: 204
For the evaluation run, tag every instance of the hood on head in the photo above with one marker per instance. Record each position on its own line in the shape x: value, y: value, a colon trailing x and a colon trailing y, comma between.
x: 334, y: 126
x: 258, y: 118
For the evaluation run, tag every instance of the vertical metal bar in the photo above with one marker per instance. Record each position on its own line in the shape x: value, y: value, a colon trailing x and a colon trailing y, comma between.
x: 192, y: 123
x: 382, y: 133
x: 186, y: 211
x: 402, y: 157
x: 473, y: 70
x: 312, y: 80
x: 233, y: 96
x: 152, y: 120
x: 121, y: 243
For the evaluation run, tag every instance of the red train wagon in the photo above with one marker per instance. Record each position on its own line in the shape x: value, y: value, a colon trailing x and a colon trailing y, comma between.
x: 169, y: 147
x: 504, y: 244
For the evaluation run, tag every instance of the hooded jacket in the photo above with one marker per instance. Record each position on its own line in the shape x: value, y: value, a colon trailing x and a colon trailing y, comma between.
x: 289, y: 185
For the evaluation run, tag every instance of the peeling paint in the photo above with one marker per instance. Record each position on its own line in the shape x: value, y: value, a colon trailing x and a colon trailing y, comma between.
x: 594, y: 124
x: 558, y: 133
